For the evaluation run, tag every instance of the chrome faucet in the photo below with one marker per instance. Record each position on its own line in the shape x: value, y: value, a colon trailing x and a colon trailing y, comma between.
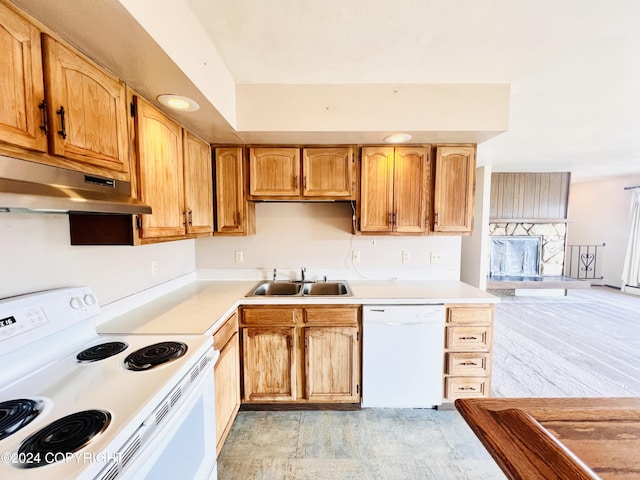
x: 303, y: 270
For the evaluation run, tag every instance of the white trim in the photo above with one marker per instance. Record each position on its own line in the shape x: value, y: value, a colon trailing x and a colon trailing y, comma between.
x: 630, y: 289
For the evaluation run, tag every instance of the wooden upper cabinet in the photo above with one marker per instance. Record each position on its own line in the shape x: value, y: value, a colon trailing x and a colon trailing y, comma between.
x: 376, y: 189
x: 328, y: 172
x: 21, y: 83
x: 160, y: 171
x: 234, y: 215
x: 87, y: 111
x: 320, y: 173
x: 393, y: 189
x: 454, y: 189
x: 410, y: 189
x: 198, y: 184
x: 274, y: 172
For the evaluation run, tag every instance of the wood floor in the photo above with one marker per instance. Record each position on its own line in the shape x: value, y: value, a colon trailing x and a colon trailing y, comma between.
x: 584, y: 344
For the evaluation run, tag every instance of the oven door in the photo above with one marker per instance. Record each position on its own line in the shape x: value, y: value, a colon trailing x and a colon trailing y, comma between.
x: 185, y: 447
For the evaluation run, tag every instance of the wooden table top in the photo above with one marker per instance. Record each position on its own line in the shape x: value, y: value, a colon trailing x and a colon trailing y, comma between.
x: 559, y: 438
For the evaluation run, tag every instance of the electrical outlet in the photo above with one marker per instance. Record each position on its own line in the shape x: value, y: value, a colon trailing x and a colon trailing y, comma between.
x: 435, y: 257
x: 239, y: 256
x: 355, y: 256
x: 406, y: 257
x: 155, y: 267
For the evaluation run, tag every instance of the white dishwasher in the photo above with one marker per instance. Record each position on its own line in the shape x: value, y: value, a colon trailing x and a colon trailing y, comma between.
x: 402, y: 355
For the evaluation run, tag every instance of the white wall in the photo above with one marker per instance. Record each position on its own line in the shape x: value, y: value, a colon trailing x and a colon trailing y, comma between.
x: 599, y: 213
x: 318, y: 236
x: 36, y: 254
x: 475, y: 248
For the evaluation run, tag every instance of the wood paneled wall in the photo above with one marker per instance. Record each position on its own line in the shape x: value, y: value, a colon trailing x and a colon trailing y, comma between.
x: 534, y: 196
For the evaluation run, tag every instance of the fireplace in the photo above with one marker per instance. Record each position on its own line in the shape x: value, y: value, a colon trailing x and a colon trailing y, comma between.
x: 515, y: 256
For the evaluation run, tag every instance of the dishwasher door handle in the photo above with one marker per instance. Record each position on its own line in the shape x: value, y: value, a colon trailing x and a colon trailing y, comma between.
x: 401, y: 324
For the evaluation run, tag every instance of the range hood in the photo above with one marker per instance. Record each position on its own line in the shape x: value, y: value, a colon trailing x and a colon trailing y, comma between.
x: 33, y: 187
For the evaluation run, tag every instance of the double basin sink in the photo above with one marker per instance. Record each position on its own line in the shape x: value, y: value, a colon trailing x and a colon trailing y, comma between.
x: 299, y: 289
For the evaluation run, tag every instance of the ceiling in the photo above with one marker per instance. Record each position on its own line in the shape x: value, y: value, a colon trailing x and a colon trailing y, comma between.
x: 573, y: 66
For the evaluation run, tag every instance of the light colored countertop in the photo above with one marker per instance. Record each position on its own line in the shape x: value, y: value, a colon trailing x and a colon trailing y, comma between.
x: 201, y: 306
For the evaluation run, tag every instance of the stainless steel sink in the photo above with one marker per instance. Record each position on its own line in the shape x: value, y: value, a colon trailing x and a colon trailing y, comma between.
x: 326, y: 288
x: 298, y: 289
x: 277, y: 288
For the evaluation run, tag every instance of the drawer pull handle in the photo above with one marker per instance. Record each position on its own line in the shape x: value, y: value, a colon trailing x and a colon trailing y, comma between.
x: 468, y: 363
x: 464, y: 389
x: 468, y: 338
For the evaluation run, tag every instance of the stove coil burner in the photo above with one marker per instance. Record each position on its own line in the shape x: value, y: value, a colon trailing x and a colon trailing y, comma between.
x: 15, y: 414
x: 153, y: 355
x: 101, y: 351
x: 65, y: 436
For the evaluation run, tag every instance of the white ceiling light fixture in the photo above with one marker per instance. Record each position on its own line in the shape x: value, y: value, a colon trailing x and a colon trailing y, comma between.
x: 398, y: 138
x: 177, y: 102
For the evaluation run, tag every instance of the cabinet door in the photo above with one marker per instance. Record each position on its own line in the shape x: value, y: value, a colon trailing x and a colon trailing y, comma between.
x: 274, y: 172
x: 454, y: 190
x: 198, y: 184
x: 227, y: 388
x: 87, y: 110
x: 21, y: 83
x: 229, y: 170
x: 160, y: 175
x: 328, y: 172
x: 268, y: 363
x: 410, y: 189
x: 332, y: 369
x: 376, y: 189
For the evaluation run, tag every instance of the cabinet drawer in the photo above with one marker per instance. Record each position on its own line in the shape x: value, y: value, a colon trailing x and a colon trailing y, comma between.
x: 468, y: 363
x: 466, y: 387
x: 331, y: 316
x: 472, y: 315
x: 468, y: 338
x: 269, y: 316
x: 225, y: 332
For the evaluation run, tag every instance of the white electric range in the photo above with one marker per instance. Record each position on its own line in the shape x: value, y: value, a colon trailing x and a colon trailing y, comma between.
x: 78, y: 405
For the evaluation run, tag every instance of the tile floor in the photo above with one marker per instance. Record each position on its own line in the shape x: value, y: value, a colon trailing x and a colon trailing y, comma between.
x: 380, y: 444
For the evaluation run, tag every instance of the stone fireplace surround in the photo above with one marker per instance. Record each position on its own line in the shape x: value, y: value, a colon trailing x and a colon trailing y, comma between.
x: 553, y: 242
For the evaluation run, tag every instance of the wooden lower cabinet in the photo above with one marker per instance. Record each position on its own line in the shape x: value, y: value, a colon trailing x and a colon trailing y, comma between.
x: 269, y: 364
x: 468, y: 347
x: 305, y: 354
x: 331, y: 364
x: 227, y: 378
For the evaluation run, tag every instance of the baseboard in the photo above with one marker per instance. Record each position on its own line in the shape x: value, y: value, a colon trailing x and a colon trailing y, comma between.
x: 631, y: 289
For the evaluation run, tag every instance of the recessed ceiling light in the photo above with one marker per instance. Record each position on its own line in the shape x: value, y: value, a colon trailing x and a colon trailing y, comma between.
x: 398, y: 138
x: 176, y: 102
